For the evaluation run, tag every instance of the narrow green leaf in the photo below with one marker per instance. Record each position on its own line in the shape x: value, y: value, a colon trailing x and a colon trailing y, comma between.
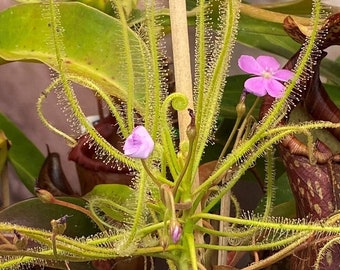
x: 92, y: 43
x: 23, y: 154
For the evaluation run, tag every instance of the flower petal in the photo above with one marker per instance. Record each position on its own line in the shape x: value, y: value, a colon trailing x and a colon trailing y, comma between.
x: 268, y: 63
x: 275, y: 88
x: 283, y: 75
x: 256, y: 86
x: 139, y: 144
x: 248, y: 64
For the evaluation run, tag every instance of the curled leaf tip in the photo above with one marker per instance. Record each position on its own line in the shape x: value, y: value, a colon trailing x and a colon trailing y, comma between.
x: 268, y: 75
x: 139, y: 144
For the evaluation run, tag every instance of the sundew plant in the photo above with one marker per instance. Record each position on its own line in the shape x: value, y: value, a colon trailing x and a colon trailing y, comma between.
x: 170, y: 210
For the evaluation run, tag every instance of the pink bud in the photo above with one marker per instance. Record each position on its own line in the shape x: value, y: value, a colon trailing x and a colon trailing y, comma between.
x: 175, y: 231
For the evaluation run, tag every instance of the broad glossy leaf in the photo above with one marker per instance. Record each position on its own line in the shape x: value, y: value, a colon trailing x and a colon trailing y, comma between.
x: 4, y: 181
x: 330, y: 69
x: 267, y: 36
x: 23, y: 154
x: 4, y: 147
x: 34, y: 213
x: 92, y: 40
x: 298, y: 7
x: 333, y: 92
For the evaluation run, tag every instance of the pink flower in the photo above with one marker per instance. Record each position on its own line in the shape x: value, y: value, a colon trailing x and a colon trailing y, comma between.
x: 268, y: 75
x: 139, y: 144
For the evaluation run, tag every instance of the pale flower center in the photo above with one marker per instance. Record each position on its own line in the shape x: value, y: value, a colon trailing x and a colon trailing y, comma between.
x: 267, y: 74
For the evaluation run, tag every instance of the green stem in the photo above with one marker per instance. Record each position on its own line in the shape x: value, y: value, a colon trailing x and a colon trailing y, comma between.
x: 231, y: 136
x: 146, y: 168
x: 184, y: 170
x: 246, y: 122
x: 80, y: 209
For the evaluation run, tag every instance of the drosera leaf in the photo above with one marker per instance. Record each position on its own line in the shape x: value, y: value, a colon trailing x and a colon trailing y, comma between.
x: 283, y: 203
x: 23, y: 155
x: 91, y: 39
x: 112, y: 199
x: 36, y: 214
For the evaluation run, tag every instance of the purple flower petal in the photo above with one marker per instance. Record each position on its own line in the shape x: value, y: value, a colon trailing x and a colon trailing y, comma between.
x: 269, y: 76
x: 139, y: 144
x: 275, y: 88
x: 256, y: 86
x: 268, y: 63
x: 248, y: 64
x: 283, y: 75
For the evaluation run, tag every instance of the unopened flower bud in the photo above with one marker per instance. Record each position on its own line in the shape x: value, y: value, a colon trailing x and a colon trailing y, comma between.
x: 240, y: 109
x: 44, y: 195
x: 20, y: 241
x: 175, y: 230
x: 164, y: 241
x: 59, y: 225
x: 191, y: 129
